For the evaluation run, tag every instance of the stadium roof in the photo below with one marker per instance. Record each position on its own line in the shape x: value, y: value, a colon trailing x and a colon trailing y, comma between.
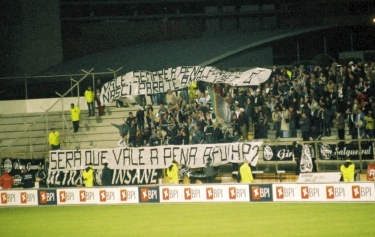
x: 165, y: 54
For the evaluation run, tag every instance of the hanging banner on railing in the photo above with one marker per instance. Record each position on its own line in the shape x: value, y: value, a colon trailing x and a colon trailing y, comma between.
x: 334, y: 152
x: 160, y: 157
x: 15, y: 167
x: 146, y: 83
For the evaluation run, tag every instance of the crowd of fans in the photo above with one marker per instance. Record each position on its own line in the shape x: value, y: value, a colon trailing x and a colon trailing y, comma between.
x: 311, y: 99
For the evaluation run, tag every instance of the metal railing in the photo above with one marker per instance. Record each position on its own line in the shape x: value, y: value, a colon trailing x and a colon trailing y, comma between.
x: 73, y: 84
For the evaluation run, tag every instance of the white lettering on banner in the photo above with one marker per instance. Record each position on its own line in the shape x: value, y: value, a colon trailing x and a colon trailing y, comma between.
x: 284, y: 153
x: 284, y: 192
x: 148, y: 176
x: 169, y: 193
x: 235, y: 193
x: 308, y: 192
x: 360, y: 192
x: 144, y: 82
x: 193, y: 156
x: 348, y: 152
x: 192, y: 193
x: 333, y: 192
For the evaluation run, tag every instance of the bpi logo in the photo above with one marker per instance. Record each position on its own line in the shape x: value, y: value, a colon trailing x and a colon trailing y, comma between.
x: 169, y: 193
x: 261, y: 193
x: 66, y: 196
x: 307, y: 192
x: 282, y: 192
x: 7, y: 198
x: 86, y: 196
x: 360, y: 192
x: 126, y: 195
x: 26, y: 198
x: 191, y: 193
x: 47, y: 197
x: 332, y: 192
x: 106, y: 196
x: 149, y: 194
x: 212, y: 193
x: 235, y: 193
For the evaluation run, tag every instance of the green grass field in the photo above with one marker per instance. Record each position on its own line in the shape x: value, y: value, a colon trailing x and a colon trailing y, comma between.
x: 214, y: 219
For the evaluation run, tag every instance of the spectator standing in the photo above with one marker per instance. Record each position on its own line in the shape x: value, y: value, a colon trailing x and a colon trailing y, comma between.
x: 123, y: 130
x: 369, y: 119
x: 99, y: 103
x: 304, y: 123
x: 285, y: 123
x: 140, y: 115
x: 161, y: 113
x: 90, y: 96
x: 27, y: 179
x: 263, y: 125
x: 227, y: 136
x: 347, y: 169
x: 276, y: 118
x: 133, y: 133
x: 75, y: 113
x: 292, y: 122
x: 170, y: 97
x: 41, y: 177
x: 217, y: 134
x: 209, y: 171
x: 340, y: 122
x: 129, y: 120
x: 54, y: 139
x: 352, y: 129
x: 243, y: 123
x: 297, y: 152
x: 88, y: 176
x: 198, y: 136
x: 249, y: 111
x: 150, y: 118
x: 245, y: 173
x: 106, y: 175
x: 6, y: 181
x: 172, y: 173
x: 360, y: 123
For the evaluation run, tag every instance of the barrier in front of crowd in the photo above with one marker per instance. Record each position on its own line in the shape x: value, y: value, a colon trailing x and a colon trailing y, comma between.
x: 208, y: 193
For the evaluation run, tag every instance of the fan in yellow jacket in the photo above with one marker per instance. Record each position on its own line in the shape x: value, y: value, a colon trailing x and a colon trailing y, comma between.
x: 88, y: 176
x: 54, y: 139
x: 75, y: 112
x: 245, y: 172
x: 90, y: 96
x: 347, y: 169
x: 172, y: 173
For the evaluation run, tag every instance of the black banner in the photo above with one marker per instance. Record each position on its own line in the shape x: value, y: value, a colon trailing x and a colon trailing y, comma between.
x: 341, y: 151
x: 15, y: 166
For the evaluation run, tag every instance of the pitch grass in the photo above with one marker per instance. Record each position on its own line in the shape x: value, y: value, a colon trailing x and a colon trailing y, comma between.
x: 213, y: 219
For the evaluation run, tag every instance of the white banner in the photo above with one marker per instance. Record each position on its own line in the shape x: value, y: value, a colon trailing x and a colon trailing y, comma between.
x: 324, y: 192
x: 145, y: 82
x: 323, y: 177
x: 306, y: 160
x: 205, y: 193
x: 104, y: 195
x: 18, y: 197
x: 160, y: 157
